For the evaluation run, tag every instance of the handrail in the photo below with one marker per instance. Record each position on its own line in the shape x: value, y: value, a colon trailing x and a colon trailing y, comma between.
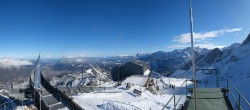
x: 238, y: 92
x: 179, y: 99
x: 63, y: 98
x: 4, y: 104
x: 153, y: 99
x: 173, y: 97
x: 236, y: 100
x: 122, y: 103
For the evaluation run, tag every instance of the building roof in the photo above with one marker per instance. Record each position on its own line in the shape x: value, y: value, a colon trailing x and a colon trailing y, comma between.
x: 136, y: 79
x: 139, y: 63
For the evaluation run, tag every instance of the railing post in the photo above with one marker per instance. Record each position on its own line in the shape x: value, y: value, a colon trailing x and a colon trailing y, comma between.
x: 217, y: 80
x: 227, y: 88
x: 206, y: 83
x: 239, y: 100
x: 4, y: 106
x: 186, y: 88
x: 227, y: 83
x: 169, y: 80
x: 196, y: 83
x: 174, y: 102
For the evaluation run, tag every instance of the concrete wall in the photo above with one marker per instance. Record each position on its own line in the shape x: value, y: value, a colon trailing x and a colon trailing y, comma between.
x: 128, y: 69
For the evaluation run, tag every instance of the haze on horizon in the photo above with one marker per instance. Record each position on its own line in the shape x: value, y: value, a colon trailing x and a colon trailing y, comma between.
x: 125, y: 27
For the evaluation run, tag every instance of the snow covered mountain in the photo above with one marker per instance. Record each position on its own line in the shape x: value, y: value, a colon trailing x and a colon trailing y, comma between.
x: 94, y: 76
x: 161, y: 60
x: 14, y: 69
x: 231, y: 63
x: 69, y: 63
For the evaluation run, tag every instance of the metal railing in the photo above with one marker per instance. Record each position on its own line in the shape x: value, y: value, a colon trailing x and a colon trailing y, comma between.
x: 7, y: 105
x: 59, y: 95
x: 238, y: 100
x: 153, y: 99
x: 174, y: 96
x: 123, y: 103
x: 208, y: 71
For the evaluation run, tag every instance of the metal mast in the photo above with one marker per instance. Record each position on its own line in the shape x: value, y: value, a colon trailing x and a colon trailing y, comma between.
x: 82, y: 73
x: 193, y: 60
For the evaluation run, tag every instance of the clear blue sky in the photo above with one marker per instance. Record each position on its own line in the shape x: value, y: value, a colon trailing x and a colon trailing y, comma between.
x: 117, y: 27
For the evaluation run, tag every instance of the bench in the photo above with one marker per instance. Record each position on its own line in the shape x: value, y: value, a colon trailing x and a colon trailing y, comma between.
x: 137, y: 92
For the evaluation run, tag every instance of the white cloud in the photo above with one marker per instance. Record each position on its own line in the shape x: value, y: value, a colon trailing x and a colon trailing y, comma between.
x: 123, y: 55
x: 8, y: 62
x: 208, y: 45
x: 178, y: 46
x: 203, y: 36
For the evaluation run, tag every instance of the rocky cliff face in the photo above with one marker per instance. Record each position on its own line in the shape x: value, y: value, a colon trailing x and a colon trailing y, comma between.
x: 213, y: 55
x: 69, y: 63
x: 231, y: 63
x: 247, y: 40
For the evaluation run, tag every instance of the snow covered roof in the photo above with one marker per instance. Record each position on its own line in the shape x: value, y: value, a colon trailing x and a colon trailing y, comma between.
x: 146, y: 73
x: 139, y: 63
x: 136, y: 79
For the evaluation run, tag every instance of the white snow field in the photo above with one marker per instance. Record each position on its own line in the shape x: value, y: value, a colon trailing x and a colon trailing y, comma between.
x: 122, y: 99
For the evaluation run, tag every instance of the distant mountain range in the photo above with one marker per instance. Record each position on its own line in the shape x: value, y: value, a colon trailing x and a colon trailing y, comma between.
x: 14, y: 69
x: 73, y: 63
x: 232, y: 56
x: 157, y: 61
x: 69, y: 63
x: 160, y: 60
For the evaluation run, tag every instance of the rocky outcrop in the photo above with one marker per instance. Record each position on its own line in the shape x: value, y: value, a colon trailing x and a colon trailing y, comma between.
x: 213, y: 55
x: 247, y: 40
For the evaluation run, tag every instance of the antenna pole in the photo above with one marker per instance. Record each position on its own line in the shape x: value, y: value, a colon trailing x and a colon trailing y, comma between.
x: 118, y: 74
x: 82, y: 73
x: 193, y: 60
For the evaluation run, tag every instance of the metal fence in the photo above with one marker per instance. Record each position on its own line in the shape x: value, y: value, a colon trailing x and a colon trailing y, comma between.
x: 239, y: 100
x: 175, y: 98
x: 110, y: 104
x: 60, y: 96
x: 6, y: 105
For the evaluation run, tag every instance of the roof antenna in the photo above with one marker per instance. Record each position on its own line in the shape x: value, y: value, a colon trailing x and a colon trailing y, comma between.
x: 82, y: 73
x: 193, y: 60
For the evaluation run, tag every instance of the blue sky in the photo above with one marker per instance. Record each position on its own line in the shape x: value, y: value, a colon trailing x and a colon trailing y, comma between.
x: 117, y: 27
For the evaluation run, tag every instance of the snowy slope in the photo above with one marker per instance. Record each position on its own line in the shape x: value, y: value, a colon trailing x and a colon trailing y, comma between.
x: 69, y: 62
x: 123, y: 99
x: 93, y: 76
x: 232, y: 63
